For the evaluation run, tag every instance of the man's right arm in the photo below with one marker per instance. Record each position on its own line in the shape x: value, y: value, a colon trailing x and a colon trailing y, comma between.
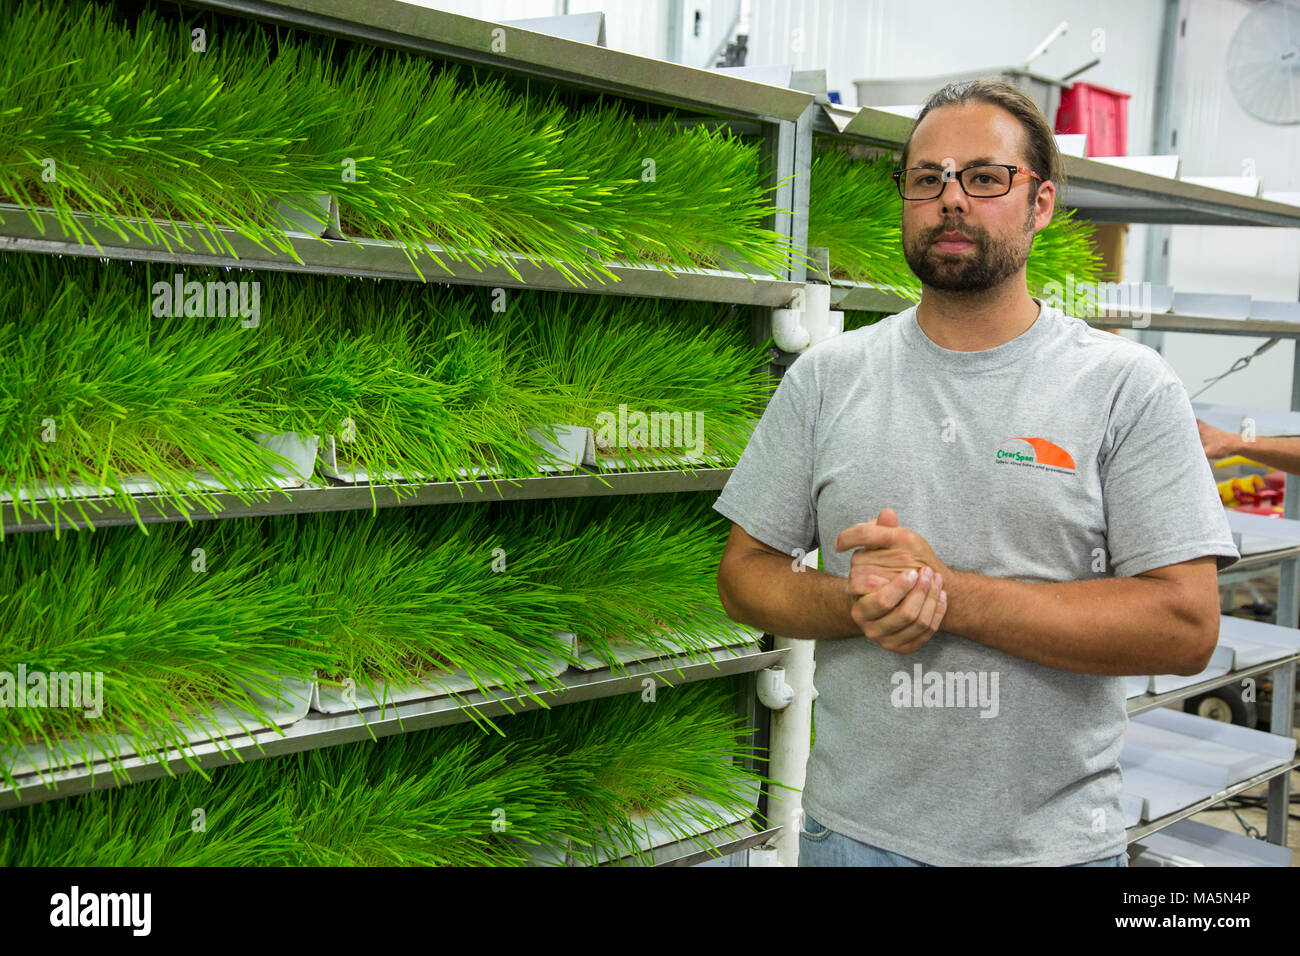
x: 759, y: 587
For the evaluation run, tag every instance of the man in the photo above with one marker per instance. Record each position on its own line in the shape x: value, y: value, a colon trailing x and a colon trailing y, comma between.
x: 1014, y: 511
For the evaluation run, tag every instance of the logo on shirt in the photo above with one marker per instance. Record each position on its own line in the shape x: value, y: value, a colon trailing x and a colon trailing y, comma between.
x: 1035, y: 453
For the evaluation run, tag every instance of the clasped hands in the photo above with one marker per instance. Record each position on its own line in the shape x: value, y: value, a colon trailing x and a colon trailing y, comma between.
x: 896, y: 582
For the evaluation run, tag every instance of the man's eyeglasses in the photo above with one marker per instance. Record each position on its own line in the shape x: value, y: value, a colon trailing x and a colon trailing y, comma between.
x: 984, y: 181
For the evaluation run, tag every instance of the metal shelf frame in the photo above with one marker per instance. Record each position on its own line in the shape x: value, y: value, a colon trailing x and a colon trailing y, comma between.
x: 782, y: 118
x: 1251, y: 563
x: 1270, y: 776
x: 377, y: 259
x: 707, y: 846
x: 865, y: 297
x: 1176, y: 322
x: 316, y: 731
x: 1140, y: 705
x: 319, y: 497
x: 788, y: 120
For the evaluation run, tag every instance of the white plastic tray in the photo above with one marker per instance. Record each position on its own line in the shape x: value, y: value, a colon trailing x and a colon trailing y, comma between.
x: 333, y: 699
x: 652, y: 832
x: 1276, y: 529
x: 223, y: 723
x: 1072, y: 144
x: 1132, y: 806
x: 346, y: 471
x: 1221, y: 662
x: 728, y: 634
x: 300, y: 452
x: 1137, y: 686
x: 1163, y: 783
x: 1255, y: 642
x: 573, y: 445
x: 1134, y: 297
x: 1275, y: 311
x: 1240, y: 751
x: 1212, y: 305
x: 1189, y: 843
x: 546, y: 855
x: 1241, y: 185
x: 1164, y: 165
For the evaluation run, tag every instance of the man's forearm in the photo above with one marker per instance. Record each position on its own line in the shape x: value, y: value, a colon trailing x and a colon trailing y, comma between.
x: 1106, y: 626
x: 776, y: 599
x: 1280, y: 453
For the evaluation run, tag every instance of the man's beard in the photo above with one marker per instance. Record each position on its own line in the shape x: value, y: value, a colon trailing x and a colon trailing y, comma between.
x: 989, y: 263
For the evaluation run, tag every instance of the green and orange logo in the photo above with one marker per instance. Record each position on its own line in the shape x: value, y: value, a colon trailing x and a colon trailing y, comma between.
x: 1035, y: 453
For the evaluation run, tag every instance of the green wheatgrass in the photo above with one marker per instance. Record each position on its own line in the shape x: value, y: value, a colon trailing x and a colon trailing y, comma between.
x: 178, y: 623
x: 138, y: 124
x: 447, y: 797
x: 425, y: 384
x: 97, y: 391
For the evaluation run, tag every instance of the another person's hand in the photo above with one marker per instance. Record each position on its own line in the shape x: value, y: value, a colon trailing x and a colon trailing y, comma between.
x: 901, y: 613
x: 1218, y: 443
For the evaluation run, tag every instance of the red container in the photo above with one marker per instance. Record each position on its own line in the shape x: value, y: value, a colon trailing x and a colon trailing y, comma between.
x: 1100, y: 112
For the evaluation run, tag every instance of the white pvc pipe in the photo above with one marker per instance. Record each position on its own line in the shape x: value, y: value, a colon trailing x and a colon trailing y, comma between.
x: 789, y: 743
x: 764, y: 856
x: 773, y: 691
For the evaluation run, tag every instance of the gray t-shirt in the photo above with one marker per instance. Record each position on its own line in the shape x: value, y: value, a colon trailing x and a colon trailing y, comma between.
x: 1065, y: 454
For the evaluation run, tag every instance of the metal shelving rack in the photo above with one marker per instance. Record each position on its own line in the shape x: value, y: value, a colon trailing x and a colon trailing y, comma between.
x: 370, y: 723
x: 781, y: 117
x: 316, y: 496
x: 381, y: 260
x: 787, y: 121
x: 1104, y: 192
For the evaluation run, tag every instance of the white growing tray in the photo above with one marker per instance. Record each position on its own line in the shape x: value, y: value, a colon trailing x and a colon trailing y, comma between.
x: 223, y: 723
x: 1275, y: 311
x: 352, y: 474
x: 555, y: 855
x: 1283, y: 530
x: 574, y: 444
x: 330, y: 699
x: 1190, y: 843
x: 608, y: 462
x: 1159, y: 783
x: 1256, y: 642
x: 301, y: 453
x: 652, y: 832
x: 618, y: 463
x: 1162, y: 165
x: 1222, y: 661
x: 1240, y: 751
x: 1132, y: 806
x: 1171, y: 760
x: 1214, y: 305
x: 729, y: 634
x: 1229, y: 417
x: 1137, y: 686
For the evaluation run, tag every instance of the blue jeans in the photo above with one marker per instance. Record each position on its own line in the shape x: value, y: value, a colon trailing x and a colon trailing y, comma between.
x: 822, y: 846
